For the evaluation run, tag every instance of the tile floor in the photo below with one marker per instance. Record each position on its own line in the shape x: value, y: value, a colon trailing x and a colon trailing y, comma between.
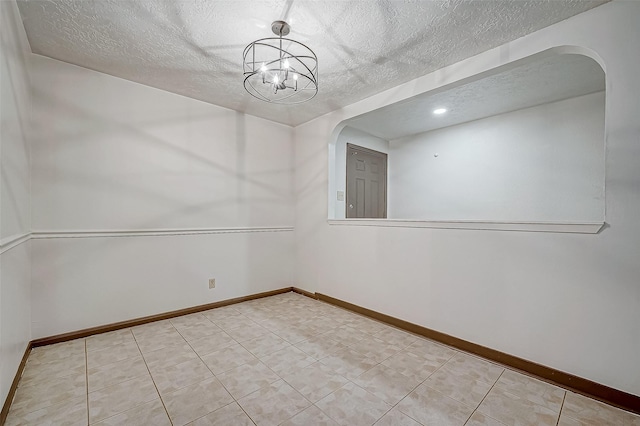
x: 287, y: 360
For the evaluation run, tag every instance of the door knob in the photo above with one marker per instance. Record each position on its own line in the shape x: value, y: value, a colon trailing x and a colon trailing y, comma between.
x: 350, y: 206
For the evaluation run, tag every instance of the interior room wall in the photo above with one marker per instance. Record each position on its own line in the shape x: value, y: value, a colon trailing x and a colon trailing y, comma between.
x: 15, y: 217
x: 538, y: 164
x: 355, y: 137
x: 140, y: 196
x: 568, y: 301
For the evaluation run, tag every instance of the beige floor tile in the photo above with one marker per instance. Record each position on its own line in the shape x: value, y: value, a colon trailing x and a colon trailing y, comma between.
x: 195, y: 401
x: 536, y: 391
x: 315, y: 381
x: 155, y: 342
x: 212, y: 343
x: 386, y: 383
x: 310, y: 416
x: 247, y: 378
x: 171, y: 355
x: 432, y: 408
x: 106, y: 340
x: 591, y: 412
x: 198, y: 330
x: 220, y: 314
x: 287, y: 360
x: 514, y: 410
x: 348, y: 363
x: 274, y: 323
x: 289, y: 332
x: 413, y: 365
x: 227, y: 358
x: 150, y: 413
x: 293, y: 333
x: 57, y: 352
x: 36, y: 372
x: 229, y: 415
x: 367, y: 325
x: 632, y: 419
x: 346, y: 335
x: 431, y: 350
x: 70, y: 412
x: 475, y: 367
x: 124, y: 396
x: 189, y: 320
x: 247, y: 332
x: 232, y: 322
x: 375, y: 348
x: 114, y: 353
x: 114, y: 373
x: 273, y: 404
x: 320, y: 346
x: 568, y: 421
x: 459, y: 386
x: 326, y: 323
x: 353, y: 406
x: 174, y: 377
x: 396, y: 337
x: 265, y: 344
x: 152, y: 329
x: 47, y: 392
x: 395, y: 417
x: 479, y: 419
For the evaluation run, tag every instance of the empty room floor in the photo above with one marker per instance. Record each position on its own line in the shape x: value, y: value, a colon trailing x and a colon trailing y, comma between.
x: 285, y: 359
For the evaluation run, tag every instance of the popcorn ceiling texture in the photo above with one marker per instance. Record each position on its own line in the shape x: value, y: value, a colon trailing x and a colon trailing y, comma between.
x: 194, y: 48
x: 538, y: 81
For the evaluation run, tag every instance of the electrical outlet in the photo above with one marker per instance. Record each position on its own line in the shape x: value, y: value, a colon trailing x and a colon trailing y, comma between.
x: 212, y: 283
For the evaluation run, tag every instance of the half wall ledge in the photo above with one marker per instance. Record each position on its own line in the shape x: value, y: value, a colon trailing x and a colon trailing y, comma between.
x: 558, y: 227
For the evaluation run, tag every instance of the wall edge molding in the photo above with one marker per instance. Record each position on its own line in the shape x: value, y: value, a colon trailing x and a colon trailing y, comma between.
x: 102, y: 233
x: 598, y: 391
x: 8, y: 243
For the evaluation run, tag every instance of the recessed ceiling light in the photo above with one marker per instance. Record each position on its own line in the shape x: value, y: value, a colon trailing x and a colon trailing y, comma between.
x: 439, y: 111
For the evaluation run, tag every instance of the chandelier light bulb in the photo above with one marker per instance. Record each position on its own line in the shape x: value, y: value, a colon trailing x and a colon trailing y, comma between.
x: 295, y: 76
x: 286, y: 64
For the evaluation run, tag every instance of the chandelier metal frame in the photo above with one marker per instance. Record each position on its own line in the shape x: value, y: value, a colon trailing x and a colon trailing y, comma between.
x: 280, y: 70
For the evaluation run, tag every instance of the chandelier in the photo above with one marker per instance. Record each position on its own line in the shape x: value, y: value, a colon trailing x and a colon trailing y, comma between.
x: 280, y: 70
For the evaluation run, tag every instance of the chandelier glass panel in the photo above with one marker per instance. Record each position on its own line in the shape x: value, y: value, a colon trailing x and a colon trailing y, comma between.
x: 280, y: 70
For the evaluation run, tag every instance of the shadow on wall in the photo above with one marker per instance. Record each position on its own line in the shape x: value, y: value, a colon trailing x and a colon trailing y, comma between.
x: 171, y: 168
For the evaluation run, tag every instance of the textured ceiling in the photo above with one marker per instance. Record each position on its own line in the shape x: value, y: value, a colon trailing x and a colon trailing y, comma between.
x: 511, y: 88
x: 194, y: 47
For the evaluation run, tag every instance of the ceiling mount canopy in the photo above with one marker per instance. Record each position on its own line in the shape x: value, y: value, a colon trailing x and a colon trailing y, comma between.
x: 280, y: 70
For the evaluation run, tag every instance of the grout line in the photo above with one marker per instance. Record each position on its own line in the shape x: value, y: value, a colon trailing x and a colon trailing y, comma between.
x: 455, y: 352
x: 214, y: 374
x: 561, y: 407
x: 150, y: 376
x: 485, y: 396
x: 86, y: 377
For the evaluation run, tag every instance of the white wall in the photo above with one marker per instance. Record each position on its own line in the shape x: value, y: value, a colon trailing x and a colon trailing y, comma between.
x: 539, y: 164
x: 355, y: 137
x: 15, y: 218
x: 568, y: 301
x: 113, y: 155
